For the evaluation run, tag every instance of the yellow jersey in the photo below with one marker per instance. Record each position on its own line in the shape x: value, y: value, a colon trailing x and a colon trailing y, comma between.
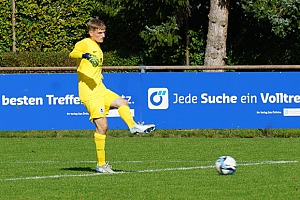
x: 89, y: 78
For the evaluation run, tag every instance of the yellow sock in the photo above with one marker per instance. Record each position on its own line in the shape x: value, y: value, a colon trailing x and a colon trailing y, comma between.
x: 99, y: 140
x: 125, y: 114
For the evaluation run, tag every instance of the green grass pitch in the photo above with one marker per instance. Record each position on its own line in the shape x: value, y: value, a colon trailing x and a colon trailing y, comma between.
x: 149, y: 168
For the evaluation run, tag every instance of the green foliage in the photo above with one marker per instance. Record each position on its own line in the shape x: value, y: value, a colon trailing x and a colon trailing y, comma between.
x: 113, y: 58
x: 110, y: 8
x: 60, y: 59
x: 162, y: 42
x: 261, y: 32
x: 50, y: 25
x: 139, y: 20
x: 251, y: 40
x: 161, y: 35
x: 283, y: 15
x: 5, y: 26
x: 197, y: 47
x: 36, y: 59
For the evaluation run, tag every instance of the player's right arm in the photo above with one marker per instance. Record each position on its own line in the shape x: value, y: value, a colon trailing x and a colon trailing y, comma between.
x: 79, y: 49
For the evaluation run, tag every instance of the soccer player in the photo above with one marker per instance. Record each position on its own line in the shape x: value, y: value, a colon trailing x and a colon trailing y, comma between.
x: 97, y: 99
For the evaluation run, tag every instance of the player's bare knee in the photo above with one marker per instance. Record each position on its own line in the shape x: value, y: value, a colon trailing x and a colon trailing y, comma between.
x: 124, y: 102
x: 101, y: 125
x: 119, y: 102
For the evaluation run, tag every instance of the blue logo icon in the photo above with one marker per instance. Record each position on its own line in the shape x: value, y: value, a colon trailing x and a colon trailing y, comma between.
x: 158, y: 98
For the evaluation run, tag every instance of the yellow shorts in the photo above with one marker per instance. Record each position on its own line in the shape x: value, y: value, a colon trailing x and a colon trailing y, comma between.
x: 99, y: 106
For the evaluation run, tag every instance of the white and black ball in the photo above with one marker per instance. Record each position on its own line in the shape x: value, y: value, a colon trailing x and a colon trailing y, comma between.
x: 226, y: 165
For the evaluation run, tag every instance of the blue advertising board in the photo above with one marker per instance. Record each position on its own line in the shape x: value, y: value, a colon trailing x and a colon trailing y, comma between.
x: 228, y: 100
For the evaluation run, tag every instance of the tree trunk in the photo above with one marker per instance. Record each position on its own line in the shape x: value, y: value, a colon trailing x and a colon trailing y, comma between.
x: 215, y: 52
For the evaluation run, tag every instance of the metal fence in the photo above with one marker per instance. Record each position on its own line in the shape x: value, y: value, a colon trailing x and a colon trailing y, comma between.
x: 143, y: 68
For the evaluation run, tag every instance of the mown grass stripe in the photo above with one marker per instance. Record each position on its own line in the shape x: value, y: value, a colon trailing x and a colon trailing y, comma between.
x: 142, y: 171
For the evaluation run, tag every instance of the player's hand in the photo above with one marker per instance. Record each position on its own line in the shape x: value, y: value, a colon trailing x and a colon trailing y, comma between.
x: 92, y: 58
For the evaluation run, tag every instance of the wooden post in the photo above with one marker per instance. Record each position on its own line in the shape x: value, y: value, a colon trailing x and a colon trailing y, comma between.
x: 13, y: 18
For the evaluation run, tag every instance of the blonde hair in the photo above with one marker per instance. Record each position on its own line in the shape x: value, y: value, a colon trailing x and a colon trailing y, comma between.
x: 95, y: 24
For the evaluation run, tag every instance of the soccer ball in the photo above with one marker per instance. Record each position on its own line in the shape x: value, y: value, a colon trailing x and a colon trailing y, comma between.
x: 226, y: 165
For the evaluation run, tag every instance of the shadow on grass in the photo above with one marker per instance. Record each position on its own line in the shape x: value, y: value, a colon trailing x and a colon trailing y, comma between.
x: 87, y: 169
x: 81, y: 169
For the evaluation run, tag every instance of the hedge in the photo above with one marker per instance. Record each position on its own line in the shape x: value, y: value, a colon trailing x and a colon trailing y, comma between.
x: 59, y: 59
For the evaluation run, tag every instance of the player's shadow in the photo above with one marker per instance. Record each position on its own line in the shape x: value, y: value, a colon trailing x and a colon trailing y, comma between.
x: 86, y: 169
x: 81, y: 169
